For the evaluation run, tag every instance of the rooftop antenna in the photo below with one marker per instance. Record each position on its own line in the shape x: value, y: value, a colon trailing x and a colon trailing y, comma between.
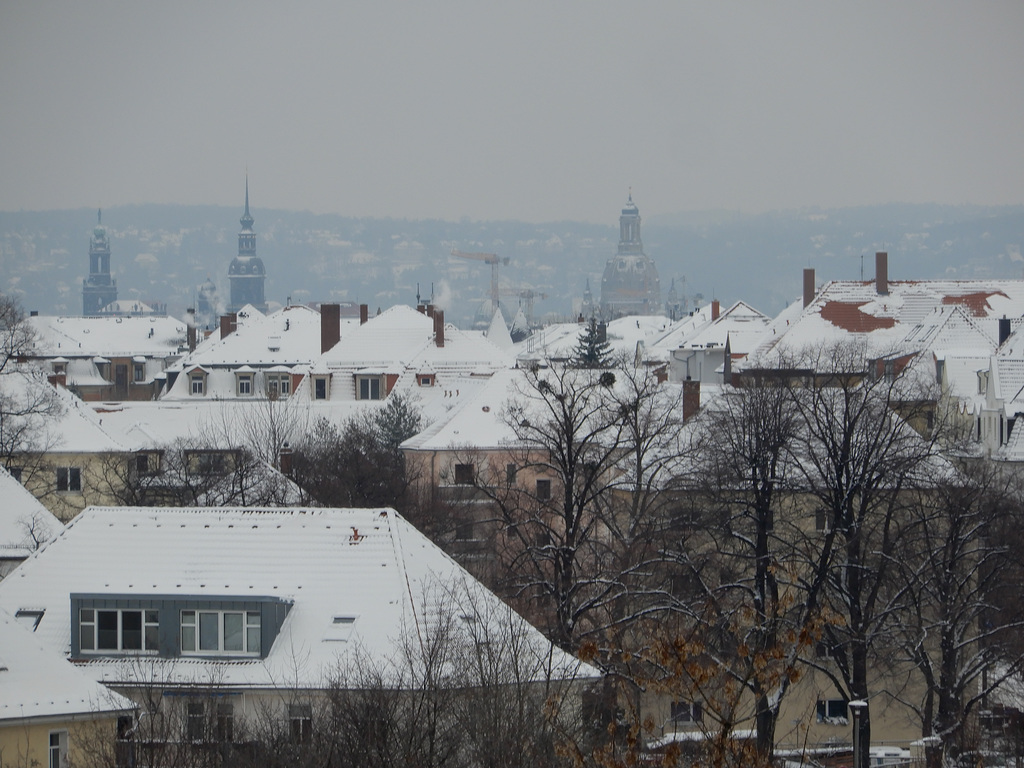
x: 417, y: 294
x: 862, y: 266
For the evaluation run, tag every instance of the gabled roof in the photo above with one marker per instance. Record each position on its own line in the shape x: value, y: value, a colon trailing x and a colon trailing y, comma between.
x: 369, y: 565
x: 36, y: 682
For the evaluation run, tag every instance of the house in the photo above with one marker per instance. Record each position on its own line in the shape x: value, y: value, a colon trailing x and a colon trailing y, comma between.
x: 51, y: 714
x: 231, y: 615
x: 108, y: 358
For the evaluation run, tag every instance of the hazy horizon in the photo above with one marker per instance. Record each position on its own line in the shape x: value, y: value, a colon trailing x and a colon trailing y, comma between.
x: 534, y: 112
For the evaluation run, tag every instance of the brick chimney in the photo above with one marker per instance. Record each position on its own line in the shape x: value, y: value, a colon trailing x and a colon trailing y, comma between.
x: 191, y: 335
x: 438, y: 315
x: 882, y: 273
x: 228, y: 324
x: 284, y: 460
x: 330, y: 326
x: 691, y: 398
x: 364, y: 313
x: 808, y: 286
x: 716, y: 308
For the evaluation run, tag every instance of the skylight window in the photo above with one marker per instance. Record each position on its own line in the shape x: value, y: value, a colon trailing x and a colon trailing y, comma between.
x: 340, y: 628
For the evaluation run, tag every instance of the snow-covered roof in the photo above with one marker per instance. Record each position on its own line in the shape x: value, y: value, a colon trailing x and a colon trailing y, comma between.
x: 367, y: 565
x: 24, y: 522
x: 82, y: 337
x: 559, y: 341
x: 36, y: 682
x: 854, y: 310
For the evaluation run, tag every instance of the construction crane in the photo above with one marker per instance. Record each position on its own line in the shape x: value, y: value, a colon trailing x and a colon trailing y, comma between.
x: 489, y: 258
x: 526, y: 297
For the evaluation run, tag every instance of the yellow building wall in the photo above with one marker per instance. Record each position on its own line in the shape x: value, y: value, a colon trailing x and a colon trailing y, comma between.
x: 27, y: 743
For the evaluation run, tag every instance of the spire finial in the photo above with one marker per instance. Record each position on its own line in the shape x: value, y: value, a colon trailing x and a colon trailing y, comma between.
x: 99, y: 215
x: 247, y: 193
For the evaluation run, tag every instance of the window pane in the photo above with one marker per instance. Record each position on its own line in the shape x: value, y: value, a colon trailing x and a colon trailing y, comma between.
x: 131, y: 630
x: 86, y: 638
x: 188, y: 638
x: 75, y: 479
x: 233, y: 632
x: 209, y: 632
x: 106, y: 632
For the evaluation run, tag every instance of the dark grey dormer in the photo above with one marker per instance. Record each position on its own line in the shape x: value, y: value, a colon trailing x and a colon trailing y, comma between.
x: 171, y: 626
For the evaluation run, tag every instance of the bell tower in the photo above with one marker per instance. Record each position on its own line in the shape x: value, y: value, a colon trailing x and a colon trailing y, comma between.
x: 247, y: 274
x: 99, y: 289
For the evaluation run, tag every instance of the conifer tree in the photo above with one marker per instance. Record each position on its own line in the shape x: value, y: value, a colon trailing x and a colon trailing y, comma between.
x: 592, y: 348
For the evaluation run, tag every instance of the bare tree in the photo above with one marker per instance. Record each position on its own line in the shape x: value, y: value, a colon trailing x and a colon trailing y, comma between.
x: 860, y: 463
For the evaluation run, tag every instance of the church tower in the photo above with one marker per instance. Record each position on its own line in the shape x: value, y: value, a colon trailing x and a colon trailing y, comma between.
x: 630, y: 285
x: 246, y: 273
x: 99, y: 289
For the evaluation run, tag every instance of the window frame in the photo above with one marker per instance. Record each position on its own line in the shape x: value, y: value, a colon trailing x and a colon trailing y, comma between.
x: 69, y: 479
x: 545, y: 484
x: 138, y: 372
x: 250, y: 632
x: 374, y: 385
x: 57, y: 749
x: 244, y: 384
x: 825, y: 712
x: 149, y: 631
x: 279, y: 385
x: 464, y: 474
x: 686, y: 712
x: 197, y: 384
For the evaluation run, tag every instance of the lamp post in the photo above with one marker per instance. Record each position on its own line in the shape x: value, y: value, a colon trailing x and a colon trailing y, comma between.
x: 857, y: 707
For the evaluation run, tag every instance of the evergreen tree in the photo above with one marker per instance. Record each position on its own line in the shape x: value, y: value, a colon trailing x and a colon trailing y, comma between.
x: 592, y: 348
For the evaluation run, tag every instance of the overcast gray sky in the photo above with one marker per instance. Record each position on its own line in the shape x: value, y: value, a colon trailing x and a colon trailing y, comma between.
x: 522, y: 110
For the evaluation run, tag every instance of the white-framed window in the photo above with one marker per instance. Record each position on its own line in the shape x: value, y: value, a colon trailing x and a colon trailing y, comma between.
x: 220, y: 632
x: 320, y: 388
x: 279, y: 385
x: 243, y: 384
x: 69, y: 479
x: 102, y: 630
x: 686, y: 712
x: 832, y: 711
x: 58, y: 752
x: 301, y: 720
x: 198, y: 383
x: 369, y: 387
x: 426, y: 380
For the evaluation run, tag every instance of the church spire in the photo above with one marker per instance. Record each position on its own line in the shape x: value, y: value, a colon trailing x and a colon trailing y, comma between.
x: 246, y: 220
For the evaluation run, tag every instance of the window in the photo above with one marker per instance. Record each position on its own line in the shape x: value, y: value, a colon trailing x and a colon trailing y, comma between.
x: 224, y: 728
x: 30, y: 617
x: 369, y: 387
x: 832, y: 711
x: 120, y: 630
x: 464, y: 474
x: 510, y: 474
x: 244, y: 384
x: 279, y: 385
x: 207, y: 462
x: 464, y: 530
x: 58, y: 749
x: 147, y: 463
x: 426, y: 381
x: 139, y: 372
x: 195, y: 721
x: 686, y: 712
x: 301, y: 718
x: 320, y: 388
x: 69, y: 479
x: 220, y: 632
x: 543, y: 489
x: 821, y: 521
x: 198, y: 383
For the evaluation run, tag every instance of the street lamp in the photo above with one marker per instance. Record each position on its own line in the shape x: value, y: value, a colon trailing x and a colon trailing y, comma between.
x: 857, y: 707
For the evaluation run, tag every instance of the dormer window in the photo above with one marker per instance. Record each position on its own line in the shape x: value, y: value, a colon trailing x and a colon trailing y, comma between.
x: 220, y: 632
x: 243, y: 384
x: 279, y: 385
x: 321, y: 387
x: 197, y: 382
x: 60, y: 367
x: 369, y: 388
x: 426, y: 379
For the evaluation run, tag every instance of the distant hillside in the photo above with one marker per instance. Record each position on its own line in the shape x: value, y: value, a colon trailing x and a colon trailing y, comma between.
x: 162, y: 253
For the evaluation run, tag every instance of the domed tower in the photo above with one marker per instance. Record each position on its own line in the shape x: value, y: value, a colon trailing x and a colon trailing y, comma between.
x: 247, y: 273
x: 99, y: 289
x: 630, y: 285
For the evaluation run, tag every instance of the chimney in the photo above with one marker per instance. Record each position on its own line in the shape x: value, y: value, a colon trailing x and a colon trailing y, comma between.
x: 421, y: 308
x: 438, y: 327
x: 1004, y: 329
x: 285, y: 460
x: 191, y: 335
x: 602, y: 333
x: 808, y: 286
x: 430, y: 310
x: 330, y: 326
x: 716, y: 309
x: 228, y: 324
x: 691, y: 398
x: 882, y: 273
x: 364, y: 313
